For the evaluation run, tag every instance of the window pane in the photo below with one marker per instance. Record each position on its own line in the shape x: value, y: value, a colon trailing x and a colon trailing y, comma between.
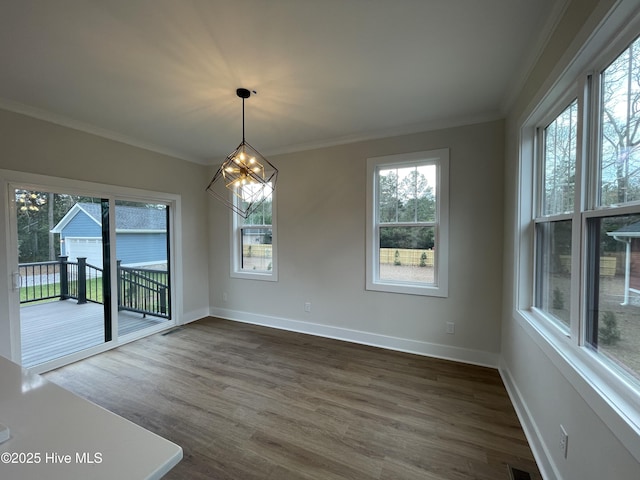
x: 388, y: 196
x: 407, y: 194
x: 560, y: 162
x: 614, y: 284
x: 253, y: 238
x: 620, y: 135
x: 553, y: 269
x: 142, y: 249
x: 257, y: 249
x: 406, y: 254
x: 261, y: 215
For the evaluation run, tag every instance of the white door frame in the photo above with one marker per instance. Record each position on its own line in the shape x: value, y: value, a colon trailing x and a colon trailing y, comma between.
x: 10, y: 335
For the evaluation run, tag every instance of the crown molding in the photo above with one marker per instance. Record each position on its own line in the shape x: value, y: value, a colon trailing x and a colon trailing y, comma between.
x: 388, y: 133
x: 64, y: 121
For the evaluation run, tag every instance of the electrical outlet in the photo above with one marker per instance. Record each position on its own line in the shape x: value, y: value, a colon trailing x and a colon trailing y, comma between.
x: 564, y: 441
x: 225, y: 297
x: 307, y: 307
x: 451, y: 328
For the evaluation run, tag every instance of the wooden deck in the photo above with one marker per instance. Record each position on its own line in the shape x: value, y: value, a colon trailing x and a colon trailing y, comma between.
x: 55, y: 329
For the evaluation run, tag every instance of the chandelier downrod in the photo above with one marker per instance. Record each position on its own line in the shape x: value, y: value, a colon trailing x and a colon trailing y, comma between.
x: 243, y: 93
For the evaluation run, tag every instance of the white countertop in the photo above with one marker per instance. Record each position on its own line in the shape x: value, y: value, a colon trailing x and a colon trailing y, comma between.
x: 67, y: 437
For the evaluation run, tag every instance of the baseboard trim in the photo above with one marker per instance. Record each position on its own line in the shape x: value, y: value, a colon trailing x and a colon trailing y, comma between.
x: 539, y: 449
x: 188, y: 317
x: 446, y: 352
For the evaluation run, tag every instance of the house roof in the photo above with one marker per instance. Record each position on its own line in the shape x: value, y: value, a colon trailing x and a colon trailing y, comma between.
x: 630, y: 231
x: 128, y: 218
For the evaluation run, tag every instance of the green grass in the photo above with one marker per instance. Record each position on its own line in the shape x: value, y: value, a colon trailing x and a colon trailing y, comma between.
x: 94, y: 291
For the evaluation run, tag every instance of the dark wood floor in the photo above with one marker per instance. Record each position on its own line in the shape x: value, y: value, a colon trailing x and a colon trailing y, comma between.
x: 248, y: 402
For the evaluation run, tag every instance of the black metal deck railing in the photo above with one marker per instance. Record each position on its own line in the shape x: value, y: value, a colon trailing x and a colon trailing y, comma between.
x: 143, y: 291
x: 39, y: 281
x: 140, y: 290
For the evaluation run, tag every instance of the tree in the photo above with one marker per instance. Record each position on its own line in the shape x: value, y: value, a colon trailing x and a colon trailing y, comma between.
x: 51, y: 222
x: 31, y: 220
x: 388, y: 196
x: 37, y: 213
x: 560, y: 144
x: 405, y: 196
x: 415, y: 198
x: 261, y: 215
x: 619, y: 168
x: 620, y: 149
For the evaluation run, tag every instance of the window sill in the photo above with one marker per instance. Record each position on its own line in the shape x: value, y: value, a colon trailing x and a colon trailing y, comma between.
x: 612, y: 399
x: 265, y: 277
x: 408, y: 289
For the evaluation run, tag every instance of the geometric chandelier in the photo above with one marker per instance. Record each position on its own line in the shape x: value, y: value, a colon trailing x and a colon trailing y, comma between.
x: 246, y: 173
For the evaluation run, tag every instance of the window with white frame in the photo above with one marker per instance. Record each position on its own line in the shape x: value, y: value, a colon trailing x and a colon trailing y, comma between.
x: 553, y: 223
x: 407, y: 223
x: 254, y: 242
x: 586, y: 220
x: 612, y: 223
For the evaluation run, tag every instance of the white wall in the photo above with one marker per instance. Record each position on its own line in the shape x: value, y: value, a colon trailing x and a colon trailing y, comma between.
x: 38, y: 147
x: 321, y: 241
x: 546, y: 390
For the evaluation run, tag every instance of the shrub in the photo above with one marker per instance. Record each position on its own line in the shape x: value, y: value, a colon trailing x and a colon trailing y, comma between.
x: 396, y: 258
x: 558, y: 299
x: 608, y: 331
x: 423, y: 259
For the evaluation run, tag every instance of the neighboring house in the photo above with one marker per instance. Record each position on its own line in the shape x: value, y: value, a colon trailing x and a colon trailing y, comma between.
x: 630, y: 236
x: 141, y: 235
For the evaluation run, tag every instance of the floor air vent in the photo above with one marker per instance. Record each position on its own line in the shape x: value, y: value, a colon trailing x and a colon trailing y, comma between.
x: 173, y: 330
x: 517, y: 474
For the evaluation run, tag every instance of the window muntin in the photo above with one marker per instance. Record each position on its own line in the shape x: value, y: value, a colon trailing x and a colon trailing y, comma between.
x: 407, y: 194
x: 253, y: 242
x: 407, y: 239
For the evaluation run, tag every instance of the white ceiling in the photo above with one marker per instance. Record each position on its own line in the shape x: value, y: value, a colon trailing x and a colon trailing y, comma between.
x: 162, y: 74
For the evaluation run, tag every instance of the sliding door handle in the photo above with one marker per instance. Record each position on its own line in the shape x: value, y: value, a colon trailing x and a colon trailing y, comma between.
x: 16, y: 280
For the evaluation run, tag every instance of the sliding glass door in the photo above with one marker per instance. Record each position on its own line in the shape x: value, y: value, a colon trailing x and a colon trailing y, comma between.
x: 142, y: 259
x: 64, y: 305
x: 90, y: 271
